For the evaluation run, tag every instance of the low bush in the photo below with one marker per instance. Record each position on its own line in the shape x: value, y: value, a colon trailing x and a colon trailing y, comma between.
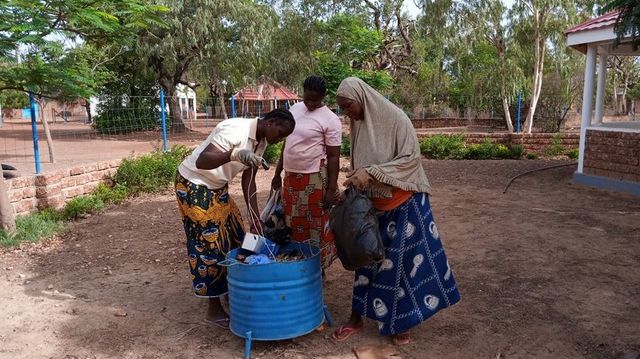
x: 573, y: 154
x: 272, y: 153
x: 555, y: 148
x: 150, y: 173
x: 82, y: 205
x: 442, y: 147
x: 345, y: 148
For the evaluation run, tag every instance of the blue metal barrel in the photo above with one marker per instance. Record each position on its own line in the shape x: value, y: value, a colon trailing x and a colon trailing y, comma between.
x: 276, y: 301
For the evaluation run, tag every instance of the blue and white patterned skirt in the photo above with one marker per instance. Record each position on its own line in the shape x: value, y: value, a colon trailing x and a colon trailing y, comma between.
x: 415, y: 280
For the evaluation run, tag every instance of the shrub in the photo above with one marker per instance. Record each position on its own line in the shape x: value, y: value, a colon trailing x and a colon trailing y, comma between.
x: 138, y: 114
x: 82, y: 205
x: 516, y: 152
x: 555, y: 149
x: 345, y: 148
x: 441, y: 147
x: 273, y: 152
x: 573, y: 154
x: 152, y: 172
x: 116, y: 194
x: 532, y: 156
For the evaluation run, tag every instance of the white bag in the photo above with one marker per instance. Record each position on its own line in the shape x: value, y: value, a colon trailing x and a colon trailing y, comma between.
x: 272, y: 202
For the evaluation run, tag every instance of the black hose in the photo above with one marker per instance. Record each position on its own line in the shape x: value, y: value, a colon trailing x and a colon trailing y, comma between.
x: 535, y: 170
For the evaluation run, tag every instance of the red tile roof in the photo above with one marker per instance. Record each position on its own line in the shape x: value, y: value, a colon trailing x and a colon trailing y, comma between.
x: 606, y: 20
x: 266, y: 92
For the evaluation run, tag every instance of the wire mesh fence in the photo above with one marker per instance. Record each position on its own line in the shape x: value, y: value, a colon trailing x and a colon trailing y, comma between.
x: 115, y: 127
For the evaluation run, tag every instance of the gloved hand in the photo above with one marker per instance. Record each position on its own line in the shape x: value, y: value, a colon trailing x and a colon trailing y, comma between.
x: 360, y: 179
x: 246, y: 157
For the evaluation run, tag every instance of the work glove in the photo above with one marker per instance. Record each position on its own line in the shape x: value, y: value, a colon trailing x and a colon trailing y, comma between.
x: 360, y: 179
x: 246, y: 157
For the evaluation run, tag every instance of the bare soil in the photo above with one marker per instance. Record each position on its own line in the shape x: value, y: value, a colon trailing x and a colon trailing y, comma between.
x: 548, y: 270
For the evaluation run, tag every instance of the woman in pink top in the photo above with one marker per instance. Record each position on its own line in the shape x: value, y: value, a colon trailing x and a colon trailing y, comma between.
x: 311, y: 160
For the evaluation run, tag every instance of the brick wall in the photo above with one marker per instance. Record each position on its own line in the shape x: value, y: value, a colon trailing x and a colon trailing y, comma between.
x: 535, y: 142
x: 613, y: 154
x: 54, y: 189
x: 497, y: 123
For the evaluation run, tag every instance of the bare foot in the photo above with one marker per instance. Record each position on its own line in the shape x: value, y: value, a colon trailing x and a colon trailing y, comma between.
x: 216, y: 314
x: 401, y: 338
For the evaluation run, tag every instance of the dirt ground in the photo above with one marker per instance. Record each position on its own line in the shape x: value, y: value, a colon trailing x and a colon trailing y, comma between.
x: 548, y: 270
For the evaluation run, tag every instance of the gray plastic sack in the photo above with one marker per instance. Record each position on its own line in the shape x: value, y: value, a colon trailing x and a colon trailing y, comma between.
x: 355, y: 227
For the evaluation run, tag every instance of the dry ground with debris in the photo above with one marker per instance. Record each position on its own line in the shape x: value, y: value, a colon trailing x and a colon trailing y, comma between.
x: 548, y: 270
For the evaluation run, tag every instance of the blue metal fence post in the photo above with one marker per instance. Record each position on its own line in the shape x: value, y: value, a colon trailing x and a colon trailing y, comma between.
x: 34, y: 132
x: 518, y: 114
x: 233, y: 106
x: 163, y: 114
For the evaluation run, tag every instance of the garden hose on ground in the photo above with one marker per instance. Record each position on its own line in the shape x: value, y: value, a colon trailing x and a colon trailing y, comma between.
x: 536, y: 170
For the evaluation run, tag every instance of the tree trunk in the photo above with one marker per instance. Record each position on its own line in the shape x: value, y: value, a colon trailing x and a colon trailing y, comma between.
x: 47, y: 132
x: 7, y: 216
x: 505, y: 107
x: 177, y: 125
x: 87, y: 108
x: 537, y: 82
x: 223, y: 107
x: 624, y: 94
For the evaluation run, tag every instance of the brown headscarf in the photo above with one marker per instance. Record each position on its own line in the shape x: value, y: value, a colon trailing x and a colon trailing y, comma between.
x: 385, y: 142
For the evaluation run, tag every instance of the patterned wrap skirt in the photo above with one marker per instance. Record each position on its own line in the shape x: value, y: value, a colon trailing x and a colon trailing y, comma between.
x: 213, y: 225
x: 303, y: 200
x: 415, y: 280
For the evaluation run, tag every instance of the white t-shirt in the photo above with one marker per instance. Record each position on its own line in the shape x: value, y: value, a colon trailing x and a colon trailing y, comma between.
x: 306, y: 147
x: 229, y: 134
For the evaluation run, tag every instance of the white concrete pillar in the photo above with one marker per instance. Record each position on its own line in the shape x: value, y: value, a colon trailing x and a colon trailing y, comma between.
x: 587, y: 101
x: 602, y: 76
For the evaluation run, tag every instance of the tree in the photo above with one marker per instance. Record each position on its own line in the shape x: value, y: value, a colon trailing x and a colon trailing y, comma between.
x: 486, y: 17
x: 628, y: 21
x: 198, y: 31
x: 541, y: 23
x: 7, y: 217
x: 38, y: 38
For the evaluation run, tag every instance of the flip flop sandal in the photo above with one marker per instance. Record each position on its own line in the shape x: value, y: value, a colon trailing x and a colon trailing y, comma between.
x: 220, y: 323
x: 344, y: 332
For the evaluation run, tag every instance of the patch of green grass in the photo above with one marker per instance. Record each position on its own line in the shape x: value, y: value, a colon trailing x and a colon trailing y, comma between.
x: 532, y: 156
x: 33, y: 228
x: 573, y: 154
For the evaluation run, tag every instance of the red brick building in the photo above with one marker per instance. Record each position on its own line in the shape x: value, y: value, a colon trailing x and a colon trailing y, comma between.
x: 609, y: 151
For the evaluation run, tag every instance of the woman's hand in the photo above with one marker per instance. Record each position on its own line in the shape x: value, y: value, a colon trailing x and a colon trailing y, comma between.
x: 329, y: 199
x: 256, y: 226
x: 276, y: 182
x: 360, y: 179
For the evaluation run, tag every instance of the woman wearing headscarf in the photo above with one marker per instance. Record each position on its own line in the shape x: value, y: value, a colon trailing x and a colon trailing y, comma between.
x: 415, y: 280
